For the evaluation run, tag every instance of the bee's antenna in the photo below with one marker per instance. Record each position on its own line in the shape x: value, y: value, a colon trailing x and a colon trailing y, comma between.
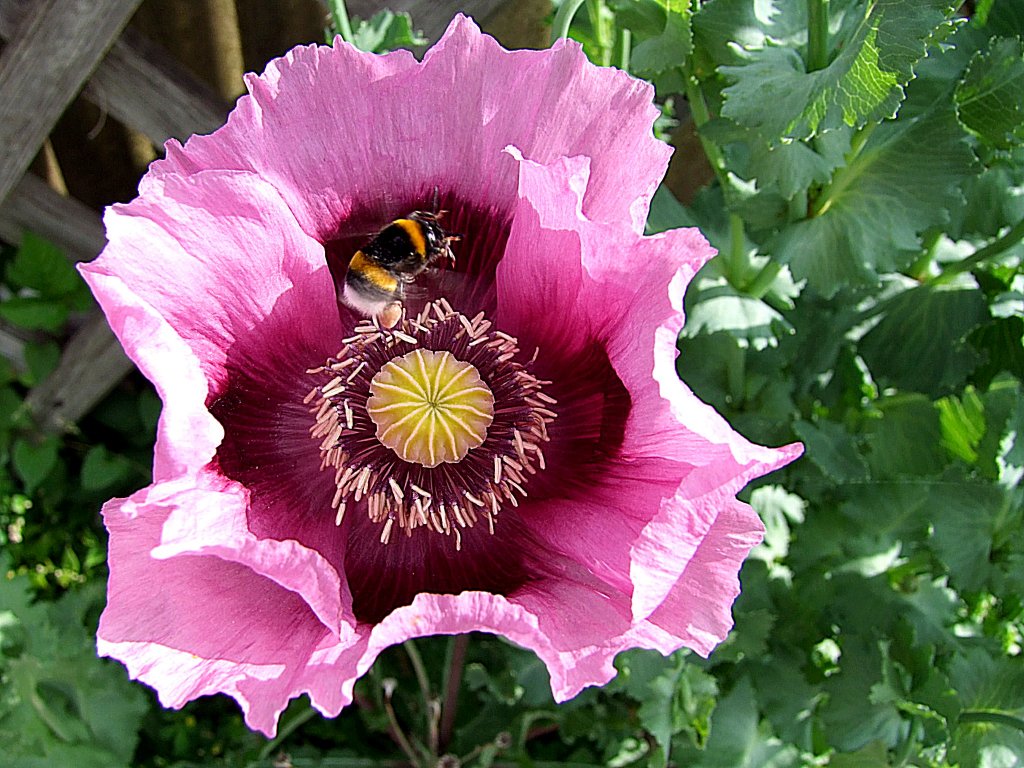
x: 437, y: 192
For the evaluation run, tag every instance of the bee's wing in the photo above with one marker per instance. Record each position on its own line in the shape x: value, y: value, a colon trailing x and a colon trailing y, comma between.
x: 441, y: 282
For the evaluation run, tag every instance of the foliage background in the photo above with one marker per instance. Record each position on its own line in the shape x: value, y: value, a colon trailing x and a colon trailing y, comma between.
x: 859, y: 166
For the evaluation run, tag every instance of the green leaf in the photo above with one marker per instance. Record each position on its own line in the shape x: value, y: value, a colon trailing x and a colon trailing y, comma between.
x: 905, y: 440
x: 61, y: 705
x: 41, y: 359
x: 786, y: 697
x: 667, y: 50
x: 792, y: 167
x: 713, y: 305
x: 387, y: 31
x: 34, y: 313
x: 737, y: 740
x: 651, y: 679
x: 990, y: 98
x: 992, y: 204
x: 641, y: 17
x: 1005, y: 18
x: 42, y: 266
x: 778, y: 510
x: 963, y: 515
x: 833, y: 450
x: 1012, y: 444
x: 667, y: 212
x: 903, y: 182
x: 920, y: 342
x: 101, y: 469
x: 1001, y: 406
x: 852, y: 716
x: 991, y: 726
x: 963, y: 424
x: 874, y: 755
x: 725, y: 28
x: 863, y: 83
x: 11, y: 405
x: 33, y: 461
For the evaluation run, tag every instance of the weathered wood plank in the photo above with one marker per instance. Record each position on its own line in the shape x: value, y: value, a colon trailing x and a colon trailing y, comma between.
x: 146, y: 89
x: 141, y: 85
x: 64, y: 221
x: 91, y: 365
x: 12, y: 349
x: 42, y: 69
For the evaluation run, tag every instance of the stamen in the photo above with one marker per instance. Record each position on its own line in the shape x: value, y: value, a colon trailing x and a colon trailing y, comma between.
x: 433, y: 424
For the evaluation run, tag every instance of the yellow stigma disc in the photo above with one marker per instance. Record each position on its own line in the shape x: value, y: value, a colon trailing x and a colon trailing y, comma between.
x: 429, y: 407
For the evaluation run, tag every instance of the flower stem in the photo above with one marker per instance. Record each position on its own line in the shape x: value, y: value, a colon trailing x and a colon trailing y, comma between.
x: 455, y: 659
x: 996, y: 247
x: 396, y: 730
x: 339, y: 15
x: 817, y: 34
x: 429, y: 701
x: 563, y: 18
x: 701, y: 115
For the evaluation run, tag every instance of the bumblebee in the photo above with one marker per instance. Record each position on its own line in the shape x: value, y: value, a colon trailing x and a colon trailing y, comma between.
x: 380, y: 271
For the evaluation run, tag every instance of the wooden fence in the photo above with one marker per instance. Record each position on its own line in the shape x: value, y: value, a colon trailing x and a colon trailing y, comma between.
x: 59, y: 51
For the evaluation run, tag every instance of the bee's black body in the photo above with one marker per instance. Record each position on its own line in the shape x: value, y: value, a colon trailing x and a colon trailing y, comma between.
x: 394, y: 257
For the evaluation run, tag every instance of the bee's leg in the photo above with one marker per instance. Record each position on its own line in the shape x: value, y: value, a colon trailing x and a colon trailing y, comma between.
x: 448, y: 250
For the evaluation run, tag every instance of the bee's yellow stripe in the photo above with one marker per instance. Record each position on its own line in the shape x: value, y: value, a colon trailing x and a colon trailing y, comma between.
x: 415, y: 233
x: 379, y: 276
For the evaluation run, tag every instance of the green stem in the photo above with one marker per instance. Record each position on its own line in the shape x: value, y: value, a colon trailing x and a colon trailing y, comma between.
x: 919, y: 269
x: 563, y: 18
x: 701, y: 115
x: 397, y: 733
x: 455, y: 659
x: 843, y: 176
x: 286, y: 730
x: 817, y: 34
x: 429, y: 704
x: 995, y: 718
x: 736, y: 373
x: 339, y: 15
x: 734, y: 258
x: 995, y: 248
x: 623, y: 48
x: 600, y: 21
x: 763, y: 280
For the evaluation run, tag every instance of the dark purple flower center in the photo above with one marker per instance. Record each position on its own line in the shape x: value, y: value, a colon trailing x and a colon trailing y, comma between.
x: 268, y: 450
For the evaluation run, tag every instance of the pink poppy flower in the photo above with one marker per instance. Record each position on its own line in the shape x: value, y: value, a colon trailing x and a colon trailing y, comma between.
x: 559, y: 486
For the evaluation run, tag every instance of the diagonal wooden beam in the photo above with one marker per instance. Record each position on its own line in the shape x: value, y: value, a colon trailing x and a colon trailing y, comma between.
x: 42, y: 69
x: 140, y: 84
x: 91, y: 365
x: 34, y: 206
x: 146, y: 89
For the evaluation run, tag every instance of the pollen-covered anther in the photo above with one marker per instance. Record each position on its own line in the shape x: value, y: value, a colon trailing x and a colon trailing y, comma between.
x: 434, y: 424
